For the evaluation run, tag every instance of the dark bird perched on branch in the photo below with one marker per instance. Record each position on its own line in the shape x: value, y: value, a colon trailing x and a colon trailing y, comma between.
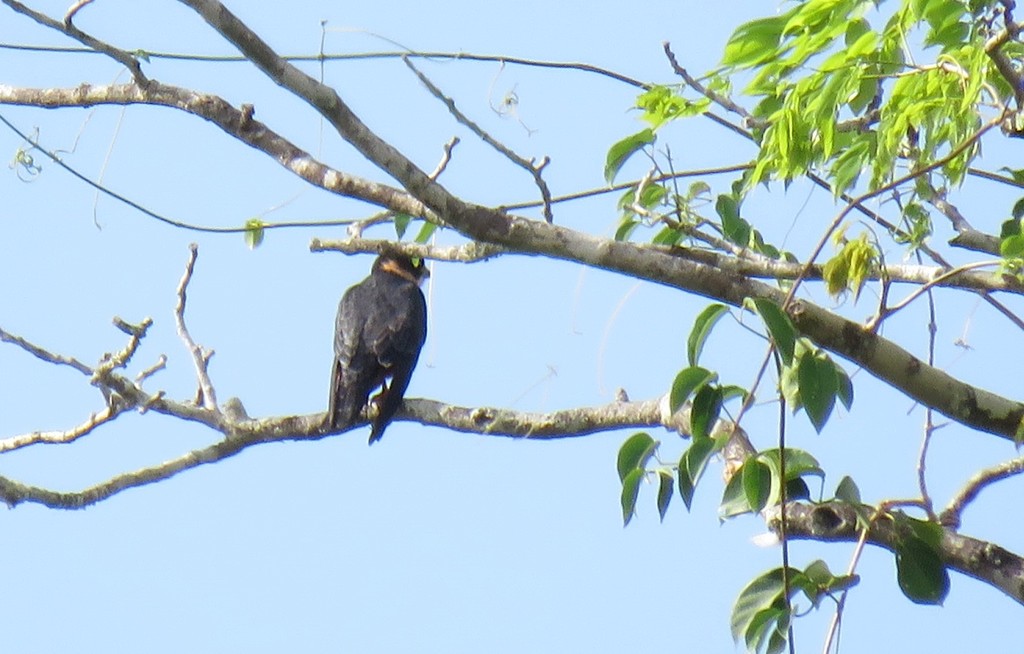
x: 381, y: 326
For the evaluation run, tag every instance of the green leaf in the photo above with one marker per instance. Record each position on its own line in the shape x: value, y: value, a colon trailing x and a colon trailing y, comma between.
x: 755, y: 42
x: 779, y: 327
x: 426, y: 232
x: 1018, y: 212
x: 625, y: 229
x: 816, y: 377
x: 619, y: 153
x: 847, y: 490
x: 702, y: 327
x: 692, y: 464
x: 734, y: 228
x: 920, y: 572
x: 734, y: 500
x: 764, y: 593
x: 1012, y: 246
x: 822, y: 582
x: 666, y: 485
x: 630, y: 490
x: 707, y: 405
x: 686, y: 382
x: 634, y: 453
x: 757, y: 484
x: 254, y: 233
x: 844, y: 388
x: 402, y: 221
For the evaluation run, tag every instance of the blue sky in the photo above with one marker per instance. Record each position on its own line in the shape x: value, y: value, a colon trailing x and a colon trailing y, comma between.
x: 430, y: 540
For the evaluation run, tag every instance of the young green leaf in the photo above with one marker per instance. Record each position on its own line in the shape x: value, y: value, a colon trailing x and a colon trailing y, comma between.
x: 734, y: 228
x: 702, y: 327
x: 666, y: 485
x: 634, y: 453
x: 254, y: 233
x: 402, y: 221
x: 619, y: 153
x: 426, y: 232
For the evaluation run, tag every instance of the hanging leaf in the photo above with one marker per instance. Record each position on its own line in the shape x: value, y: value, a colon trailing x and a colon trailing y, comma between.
x: 704, y: 411
x: 426, y: 231
x: 666, y: 484
x: 779, y: 326
x: 402, y: 221
x: 757, y: 484
x: 686, y: 382
x: 702, y: 327
x: 634, y: 453
x: 818, y: 386
x: 619, y: 153
x: 630, y: 490
x: 692, y: 464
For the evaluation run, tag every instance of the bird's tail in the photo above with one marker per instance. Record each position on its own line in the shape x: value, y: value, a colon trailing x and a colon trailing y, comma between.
x: 344, y: 404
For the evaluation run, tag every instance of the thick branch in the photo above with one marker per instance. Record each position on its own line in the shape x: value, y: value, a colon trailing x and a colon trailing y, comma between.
x: 486, y: 225
x: 837, y: 521
x: 933, y: 276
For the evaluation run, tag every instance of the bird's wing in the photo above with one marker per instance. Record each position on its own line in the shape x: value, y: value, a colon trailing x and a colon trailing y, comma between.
x: 396, y: 344
x: 355, y: 370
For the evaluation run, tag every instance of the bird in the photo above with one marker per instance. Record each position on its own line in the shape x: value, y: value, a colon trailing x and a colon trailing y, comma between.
x: 379, y: 332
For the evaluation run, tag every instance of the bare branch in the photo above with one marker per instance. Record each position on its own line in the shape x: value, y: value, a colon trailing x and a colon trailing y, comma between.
x: 951, y: 516
x: 241, y: 434
x: 207, y: 398
x: 122, y: 57
x: 108, y: 414
x: 721, y: 100
x: 143, y: 375
x: 467, y: 253
x: 526, y: 164
x: 44, y: 354
x: 231, y: 121
x: 74, y: 9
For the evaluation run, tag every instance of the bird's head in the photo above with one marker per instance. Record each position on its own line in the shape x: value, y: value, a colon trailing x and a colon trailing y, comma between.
x: 405, y: 267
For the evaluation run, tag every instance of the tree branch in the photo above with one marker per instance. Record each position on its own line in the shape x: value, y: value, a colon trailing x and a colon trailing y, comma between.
x: 838, y: 522
x: 241, y: 433
x: 122, y: 57
x: 528, y: 165
x: 233, y: 122
x: 206, y: 397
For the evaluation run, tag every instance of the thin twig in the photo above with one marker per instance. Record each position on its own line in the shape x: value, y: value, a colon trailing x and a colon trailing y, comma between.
x: 200, y: 358
x: 112, y: 411
x: 145, y: 374
x: 45, y: 355
x: 951, y: 515
x: 70, y: 15
x: 356, y: 229
x: 122, y: 57
x: 533, y: 168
